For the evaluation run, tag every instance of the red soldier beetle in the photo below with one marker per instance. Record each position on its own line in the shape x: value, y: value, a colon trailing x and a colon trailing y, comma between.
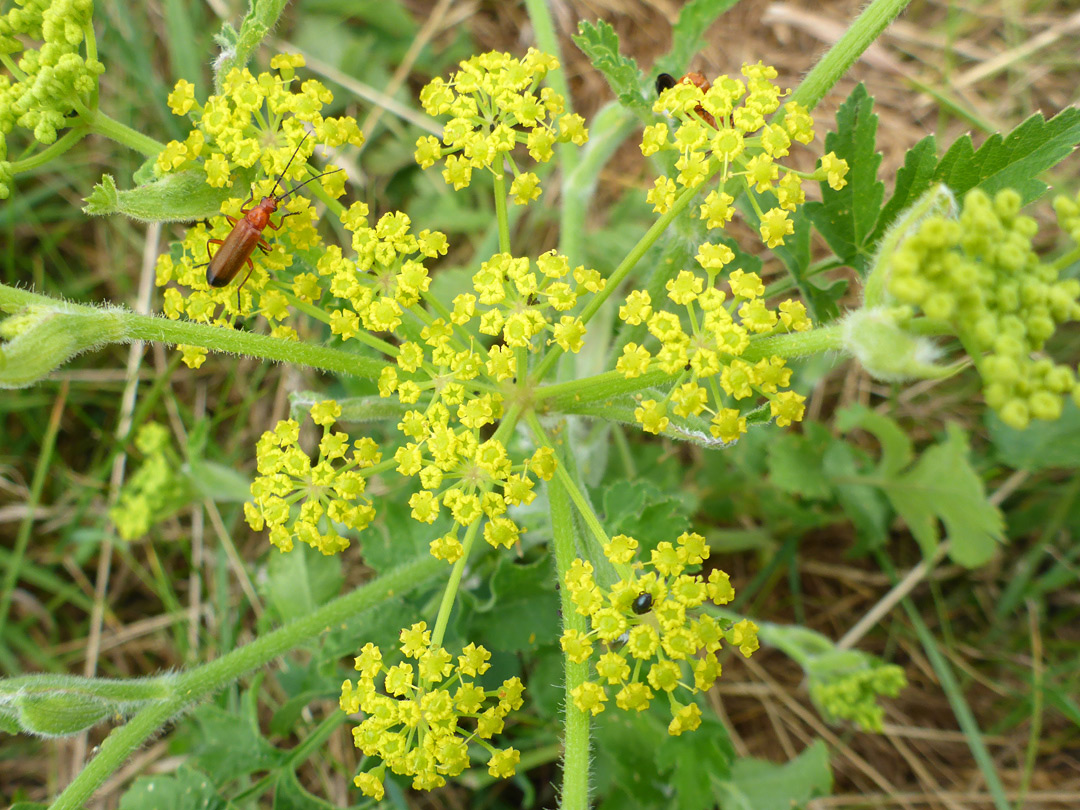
x: 666, y: 81
x: 247, y: 233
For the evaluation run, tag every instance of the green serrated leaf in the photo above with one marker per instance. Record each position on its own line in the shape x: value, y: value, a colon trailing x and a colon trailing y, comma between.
x: 942, y: 485
x: 863, y: 504
x: 688, y: 33
x: 757, y: 784
x: 644, y: 511
x: 289, y: 794
x: 846, y: 217
x: 912, y: 180
x: 301, y: 580
x: 187, y: 789
x: 896, y: 449
x: 180, y: 197
x: 1013, y: 161
x: 795, y: 462
x: 523, y: 610
x: 600, y: 43
x: 228, y: 746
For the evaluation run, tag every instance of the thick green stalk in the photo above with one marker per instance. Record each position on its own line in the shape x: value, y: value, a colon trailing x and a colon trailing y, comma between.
x: 575, y: 787
x: 572, y: 203
x: 207, y: 679
x: 841, y: 56
x: 500, y: 212
x: 613, y: 383
x: 116, y: 325
x: 446, y: 605
x: 121, y: 133
x: 54, y: 150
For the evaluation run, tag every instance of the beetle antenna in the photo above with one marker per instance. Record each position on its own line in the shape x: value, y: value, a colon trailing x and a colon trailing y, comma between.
x: 287, y: 165
x: 297, y: 188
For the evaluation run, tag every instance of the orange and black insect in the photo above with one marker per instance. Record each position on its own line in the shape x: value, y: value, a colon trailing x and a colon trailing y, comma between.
x: 247, y: 233
x: 665, y: 81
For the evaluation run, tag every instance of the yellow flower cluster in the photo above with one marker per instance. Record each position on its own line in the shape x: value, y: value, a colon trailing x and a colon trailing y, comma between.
x: 495, y: 103
x: 254, y: 120
x: 414, y: 724
x: 722, y: 126
x: 255, y: 125
x: 298, y: 498
x: 720, y: 131
x: 707, y: 360
x: 649, y: 630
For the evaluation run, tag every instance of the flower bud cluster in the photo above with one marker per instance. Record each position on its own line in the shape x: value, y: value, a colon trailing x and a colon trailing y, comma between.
x: 851, y: 693
x: 711, y: 378
x: 495, y: 103
x: 423, y: 714
x: 298, y: 497
x: 981, y: 274
x: 50, y: 82
x: 154, y: 490
x: 648, y: 632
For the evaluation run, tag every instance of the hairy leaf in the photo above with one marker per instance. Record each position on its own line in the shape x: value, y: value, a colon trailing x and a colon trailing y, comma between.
x: 600, y: 43
x: 757, y: 784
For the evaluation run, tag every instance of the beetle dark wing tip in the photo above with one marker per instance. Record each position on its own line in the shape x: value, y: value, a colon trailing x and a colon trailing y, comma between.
x: 217, y: 281
x: 664, y: 81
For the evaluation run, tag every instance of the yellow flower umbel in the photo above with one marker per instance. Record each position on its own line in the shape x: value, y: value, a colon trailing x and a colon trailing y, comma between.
x: 703, y: 340
x: 301, y: 498
x: 252, y: 129
x: 495, y: 103
x: 427, y: 711
x: 648, y: 631
x: 710, y: 377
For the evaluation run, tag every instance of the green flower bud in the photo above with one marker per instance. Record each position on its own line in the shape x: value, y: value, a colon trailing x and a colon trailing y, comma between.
x: 40, y: 339
x: 1046, y: 406
x: 1015, y: 414
x: 62, y: 705
x: 886, y: 351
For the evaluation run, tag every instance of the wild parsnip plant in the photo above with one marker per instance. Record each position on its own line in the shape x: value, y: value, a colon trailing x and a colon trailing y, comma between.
x: 474, y: 387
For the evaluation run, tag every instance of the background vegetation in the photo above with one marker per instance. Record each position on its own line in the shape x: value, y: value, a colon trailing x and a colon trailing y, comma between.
x: 812, y: 549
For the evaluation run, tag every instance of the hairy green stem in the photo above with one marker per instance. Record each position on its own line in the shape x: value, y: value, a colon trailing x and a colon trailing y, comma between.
x: 613, y: 383
x: 572, y: 204
x: 54, y: 150
x: 841, y: 56
x: 446, y: 605
x: 199, y: 683
x: 118, y: 325
x: 500, y: 212
x: 121, y: 133
x: 575, y: 786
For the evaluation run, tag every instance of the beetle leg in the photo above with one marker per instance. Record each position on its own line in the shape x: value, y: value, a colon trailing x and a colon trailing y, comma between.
x: 251, y: 269
x: 232, y: 220
x: 251, y: 198
x: 209, y: 258
x: 283, y: 216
